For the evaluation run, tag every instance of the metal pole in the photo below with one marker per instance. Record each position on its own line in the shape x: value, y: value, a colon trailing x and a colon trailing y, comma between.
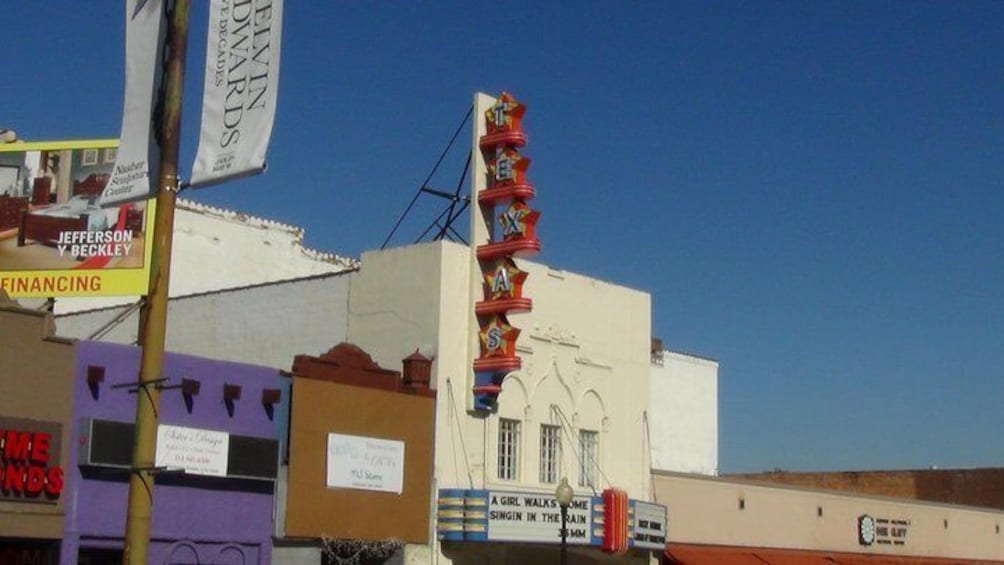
x: 153, y: 318
x: 564, y: 534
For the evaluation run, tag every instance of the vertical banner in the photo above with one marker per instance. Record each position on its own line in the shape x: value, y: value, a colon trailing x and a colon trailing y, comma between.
x: 138, y: 152
x: 241, y: 87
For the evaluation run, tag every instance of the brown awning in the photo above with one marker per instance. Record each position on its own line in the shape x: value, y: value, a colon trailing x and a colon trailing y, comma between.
x: 693, y: 554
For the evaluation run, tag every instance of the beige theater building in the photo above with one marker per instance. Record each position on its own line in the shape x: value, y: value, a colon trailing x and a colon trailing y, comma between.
x: 575, y: 406
x: 737, y: 522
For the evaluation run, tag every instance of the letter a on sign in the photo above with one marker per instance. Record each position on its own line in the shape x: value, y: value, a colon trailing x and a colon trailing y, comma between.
x: 501, y: 284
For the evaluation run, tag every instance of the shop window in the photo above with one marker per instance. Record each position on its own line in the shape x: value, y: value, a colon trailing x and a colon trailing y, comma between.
x: 508, y: 454
x: 95, y: 556
x: 17, y: 551
x: 550, y: 453
x: 89, y: 157
x: 589, y: 456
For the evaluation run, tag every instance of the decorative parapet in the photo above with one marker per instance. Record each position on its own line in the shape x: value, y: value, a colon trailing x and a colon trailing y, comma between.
x: 248, y: 220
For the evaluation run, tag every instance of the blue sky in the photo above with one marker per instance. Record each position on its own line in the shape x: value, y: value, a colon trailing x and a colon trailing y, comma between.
x: 811, y: 192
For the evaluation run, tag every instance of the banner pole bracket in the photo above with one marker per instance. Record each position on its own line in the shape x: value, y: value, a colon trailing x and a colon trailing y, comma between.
x: 135, y: 386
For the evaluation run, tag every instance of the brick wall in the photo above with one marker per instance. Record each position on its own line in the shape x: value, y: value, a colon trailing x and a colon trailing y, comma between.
x: 970, y: 487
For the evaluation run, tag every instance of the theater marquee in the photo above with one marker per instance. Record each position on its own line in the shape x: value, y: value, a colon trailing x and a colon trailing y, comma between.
x: 610, y: 522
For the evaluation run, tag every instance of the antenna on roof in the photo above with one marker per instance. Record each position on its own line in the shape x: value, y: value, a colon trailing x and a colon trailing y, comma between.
x: 444, y: 222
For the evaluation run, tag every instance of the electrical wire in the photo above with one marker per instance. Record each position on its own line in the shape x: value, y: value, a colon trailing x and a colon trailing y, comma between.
x: 576, y: 452
x: 460, y: 430
x: 648, y: 440
x: 102, y: 331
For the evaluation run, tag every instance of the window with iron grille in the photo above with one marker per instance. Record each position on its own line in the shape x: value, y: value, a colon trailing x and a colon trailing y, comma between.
x: 550, y: 453
x: 508, y: 462
x: 589, y: 456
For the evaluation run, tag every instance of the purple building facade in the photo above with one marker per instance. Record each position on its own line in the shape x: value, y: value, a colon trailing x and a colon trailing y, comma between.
x: 222, y: 417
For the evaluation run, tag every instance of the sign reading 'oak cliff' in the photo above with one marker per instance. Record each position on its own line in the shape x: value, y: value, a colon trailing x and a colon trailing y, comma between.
x: 504, y: 198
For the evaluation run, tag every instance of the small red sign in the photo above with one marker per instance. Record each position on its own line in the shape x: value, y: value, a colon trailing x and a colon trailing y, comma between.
x: 29, y: 457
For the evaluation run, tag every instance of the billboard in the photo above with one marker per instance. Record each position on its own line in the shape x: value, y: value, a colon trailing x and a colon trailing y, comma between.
x: 55, y: 239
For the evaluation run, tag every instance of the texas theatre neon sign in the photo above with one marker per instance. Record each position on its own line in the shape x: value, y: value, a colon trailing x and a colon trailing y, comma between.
x: 504, y: 199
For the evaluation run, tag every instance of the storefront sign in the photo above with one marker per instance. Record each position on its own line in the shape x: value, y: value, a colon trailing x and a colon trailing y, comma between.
x: 365, y: 463
x: 29, y: 453
x: 108, y: 444
x: 514, y: 516
x: 882, y: 531
x: 649, y: 526
x: 55, y: 238
x: 198, y: 452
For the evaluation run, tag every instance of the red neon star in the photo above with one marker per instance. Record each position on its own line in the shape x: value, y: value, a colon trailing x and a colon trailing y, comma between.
x: 504, y: 280
x: 506, y: 167
x: 498, y: 338
x: 505, y: 115
x: 518, y: 221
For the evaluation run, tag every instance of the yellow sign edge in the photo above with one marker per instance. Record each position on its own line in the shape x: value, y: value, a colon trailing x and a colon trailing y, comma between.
x: 57, y: 145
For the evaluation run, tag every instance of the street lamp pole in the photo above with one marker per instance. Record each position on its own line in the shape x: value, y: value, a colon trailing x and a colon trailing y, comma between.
x: 564, y: 494
x: 564, y: 534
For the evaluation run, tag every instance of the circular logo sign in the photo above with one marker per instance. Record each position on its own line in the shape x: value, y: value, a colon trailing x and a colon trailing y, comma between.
x: 866, y: 530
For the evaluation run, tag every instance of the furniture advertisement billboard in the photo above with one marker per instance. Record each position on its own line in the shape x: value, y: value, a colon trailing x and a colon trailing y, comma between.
x: 55, y: 239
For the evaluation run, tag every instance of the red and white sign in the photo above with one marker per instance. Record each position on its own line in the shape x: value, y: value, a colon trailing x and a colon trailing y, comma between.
x: 29, y: 461
x: 503, y: 198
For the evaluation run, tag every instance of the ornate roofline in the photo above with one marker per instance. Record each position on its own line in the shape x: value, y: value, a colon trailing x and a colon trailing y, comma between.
x: 258, y: 222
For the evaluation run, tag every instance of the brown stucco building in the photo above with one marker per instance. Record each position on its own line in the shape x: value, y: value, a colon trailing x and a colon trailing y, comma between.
x: 360, y: 450
x: 35, y: 412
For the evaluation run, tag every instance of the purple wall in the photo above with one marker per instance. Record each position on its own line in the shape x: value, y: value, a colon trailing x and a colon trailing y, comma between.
x: 217, y: 520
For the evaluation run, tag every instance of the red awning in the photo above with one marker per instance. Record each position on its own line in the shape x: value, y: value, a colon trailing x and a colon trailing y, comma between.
x: 693, y: 554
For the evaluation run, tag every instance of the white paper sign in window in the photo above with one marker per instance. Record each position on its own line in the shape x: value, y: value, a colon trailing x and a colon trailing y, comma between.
x: 365, y: 463
x: 198, y: 452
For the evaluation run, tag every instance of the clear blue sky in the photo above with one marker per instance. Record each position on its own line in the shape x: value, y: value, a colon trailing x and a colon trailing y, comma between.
x: 812, y: 192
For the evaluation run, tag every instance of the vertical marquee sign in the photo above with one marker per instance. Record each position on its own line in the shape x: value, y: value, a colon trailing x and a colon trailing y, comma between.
x: 502, y: 198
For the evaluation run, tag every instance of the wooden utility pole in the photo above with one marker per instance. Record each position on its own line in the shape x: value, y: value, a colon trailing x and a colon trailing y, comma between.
x: 153, y: 318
